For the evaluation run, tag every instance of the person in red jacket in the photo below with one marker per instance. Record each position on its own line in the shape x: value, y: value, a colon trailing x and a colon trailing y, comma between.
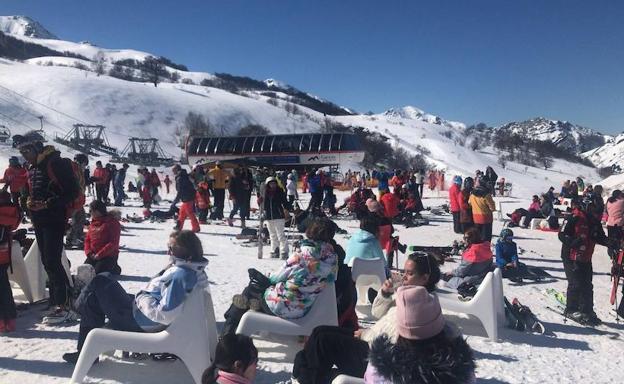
x: 15, y: 179
x: 578, y: 236
x: 455, y: 197
x: 102, y: 242
x: 9, y: 220
x: 390, y: 203
x: 101, y: 176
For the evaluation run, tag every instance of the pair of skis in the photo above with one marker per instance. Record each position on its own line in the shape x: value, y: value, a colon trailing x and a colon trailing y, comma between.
x: 521, y: 318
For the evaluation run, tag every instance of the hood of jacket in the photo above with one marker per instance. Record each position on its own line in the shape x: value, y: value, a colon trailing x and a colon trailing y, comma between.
x: 480, y: 191
x: 445, y: 358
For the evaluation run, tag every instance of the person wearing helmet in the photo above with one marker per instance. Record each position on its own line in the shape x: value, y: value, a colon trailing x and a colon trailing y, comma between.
x: 579, y: 236
x: 15, y: 179
x: 507, y: 255
x: 276, y: 208
x: 454, y: 194
x: 54, y: 187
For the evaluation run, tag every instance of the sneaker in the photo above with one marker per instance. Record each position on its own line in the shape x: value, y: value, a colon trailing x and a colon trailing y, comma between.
x: 59, y: 316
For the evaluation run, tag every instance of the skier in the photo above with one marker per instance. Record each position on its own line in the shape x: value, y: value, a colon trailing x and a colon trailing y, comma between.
x: 454, y: 194
x: 167, y: 182
x: 579, y: 235
x: 382, y: 180
x: 101, y: 177
x: 9, y: 220
x: 118, y: 185
x: 482, y: 206
x: 186, y: 194
x: 101, y: 245
x: 276, y: 209
x: 16, y: 179
x: 291, y: 189
x: 219, y: 182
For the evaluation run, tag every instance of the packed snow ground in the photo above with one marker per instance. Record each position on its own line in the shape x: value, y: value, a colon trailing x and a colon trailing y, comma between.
x: 568, y: 353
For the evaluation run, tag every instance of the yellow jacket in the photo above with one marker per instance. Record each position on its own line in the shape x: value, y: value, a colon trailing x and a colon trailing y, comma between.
x: 219, y: 177
x: 482, y: 206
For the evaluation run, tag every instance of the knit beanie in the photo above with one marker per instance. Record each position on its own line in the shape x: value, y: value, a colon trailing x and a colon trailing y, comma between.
x: 418, y: 315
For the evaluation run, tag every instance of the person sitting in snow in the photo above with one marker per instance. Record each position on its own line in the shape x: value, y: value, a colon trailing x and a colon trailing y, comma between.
x: 475, y: 263
x: 154, y: 307
x: 507, y: 256
x: 364, y: 243
x: 101, y: 244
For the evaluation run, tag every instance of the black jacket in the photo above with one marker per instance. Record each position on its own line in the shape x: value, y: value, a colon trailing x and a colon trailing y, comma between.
x: 275, y: 204
x: 442, y: 359
x: 184, y: 187
x: 56, y: 195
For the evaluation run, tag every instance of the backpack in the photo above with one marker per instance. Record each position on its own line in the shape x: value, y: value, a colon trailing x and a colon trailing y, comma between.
x: 78, y: 203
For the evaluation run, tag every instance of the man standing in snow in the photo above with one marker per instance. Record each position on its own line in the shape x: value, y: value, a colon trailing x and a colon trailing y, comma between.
x: 219, y: 181
x: 100, y: 176
x: 54, y: 187
x: 185, y: 194
x: 454, y: 194
x: 579, y: 235
x: 118, y: 185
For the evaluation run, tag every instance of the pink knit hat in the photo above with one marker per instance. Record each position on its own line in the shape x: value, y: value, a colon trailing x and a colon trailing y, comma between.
x: 418, y: 314
x: 373, y: 205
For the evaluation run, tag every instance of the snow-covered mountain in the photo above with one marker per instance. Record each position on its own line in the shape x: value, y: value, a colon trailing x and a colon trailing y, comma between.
x: 609, y: 154
x: 65, y: 93
x: 413, y: 113
x: 562, y: 133
x: 24, y: 26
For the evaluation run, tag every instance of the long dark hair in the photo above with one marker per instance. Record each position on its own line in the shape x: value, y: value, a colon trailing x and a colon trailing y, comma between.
x: 230, y: 349
x: 614, y: 196
x: 426, y: 264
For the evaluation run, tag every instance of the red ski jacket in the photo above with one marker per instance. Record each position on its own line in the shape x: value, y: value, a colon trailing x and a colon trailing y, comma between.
x: 103, y: 237
x: 455, y: 196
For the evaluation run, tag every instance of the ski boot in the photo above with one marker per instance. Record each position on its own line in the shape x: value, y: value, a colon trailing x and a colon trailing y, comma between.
x: 274, y: 254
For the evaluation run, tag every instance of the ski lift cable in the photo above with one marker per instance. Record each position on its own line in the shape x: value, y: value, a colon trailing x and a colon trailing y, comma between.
x: 43, y: 105
x: 16, y: 121
x: 30, y: 113
x: 57, y: 111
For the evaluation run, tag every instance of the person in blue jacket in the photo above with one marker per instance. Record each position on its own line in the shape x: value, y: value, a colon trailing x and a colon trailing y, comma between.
x: 364, y: 243
x: 152, y: 309
x: 382, y: 177
x: 507, y: 256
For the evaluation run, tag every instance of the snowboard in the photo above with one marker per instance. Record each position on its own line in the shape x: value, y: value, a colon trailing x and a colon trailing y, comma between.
x: 527, y: 317
x: 616, y: 274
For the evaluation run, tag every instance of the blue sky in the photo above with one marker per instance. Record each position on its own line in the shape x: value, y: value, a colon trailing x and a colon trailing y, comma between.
x: 467, y: 60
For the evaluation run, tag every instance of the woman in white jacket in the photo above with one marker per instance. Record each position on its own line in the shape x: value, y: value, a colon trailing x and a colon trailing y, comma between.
x: 154, y: 307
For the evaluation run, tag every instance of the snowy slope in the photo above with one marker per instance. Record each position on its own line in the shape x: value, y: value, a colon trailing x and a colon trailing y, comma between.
x: 413, y: 113
x: 24, y: 26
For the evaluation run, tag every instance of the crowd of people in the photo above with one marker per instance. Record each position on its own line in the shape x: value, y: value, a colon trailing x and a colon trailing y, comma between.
x: 410, y: 342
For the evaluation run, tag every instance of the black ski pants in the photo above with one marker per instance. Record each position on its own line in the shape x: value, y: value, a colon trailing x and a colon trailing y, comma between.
x: 7, y: 305
x: 50, y: 241
x: 457, y: 226
x: 234, y: 314
x: 326, y: 347
x: 486, y: 231
x: 101, y: 192
x: 106, y: 264
x: 580, y: 293
x: 219, y: 200
x: 105, y: 298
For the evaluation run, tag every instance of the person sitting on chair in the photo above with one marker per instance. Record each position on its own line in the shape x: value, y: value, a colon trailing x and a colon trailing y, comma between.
x: 152, y: 309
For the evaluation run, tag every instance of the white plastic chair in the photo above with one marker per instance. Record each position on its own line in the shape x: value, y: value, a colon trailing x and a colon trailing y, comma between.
x: 487, y: 305
x: 192, y: 337
x: 20, y: 274
x: 32, y: 276
x: 323, y: 312
x: 346, y: 379
x: 536, y: 223
x: 367, y: 273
